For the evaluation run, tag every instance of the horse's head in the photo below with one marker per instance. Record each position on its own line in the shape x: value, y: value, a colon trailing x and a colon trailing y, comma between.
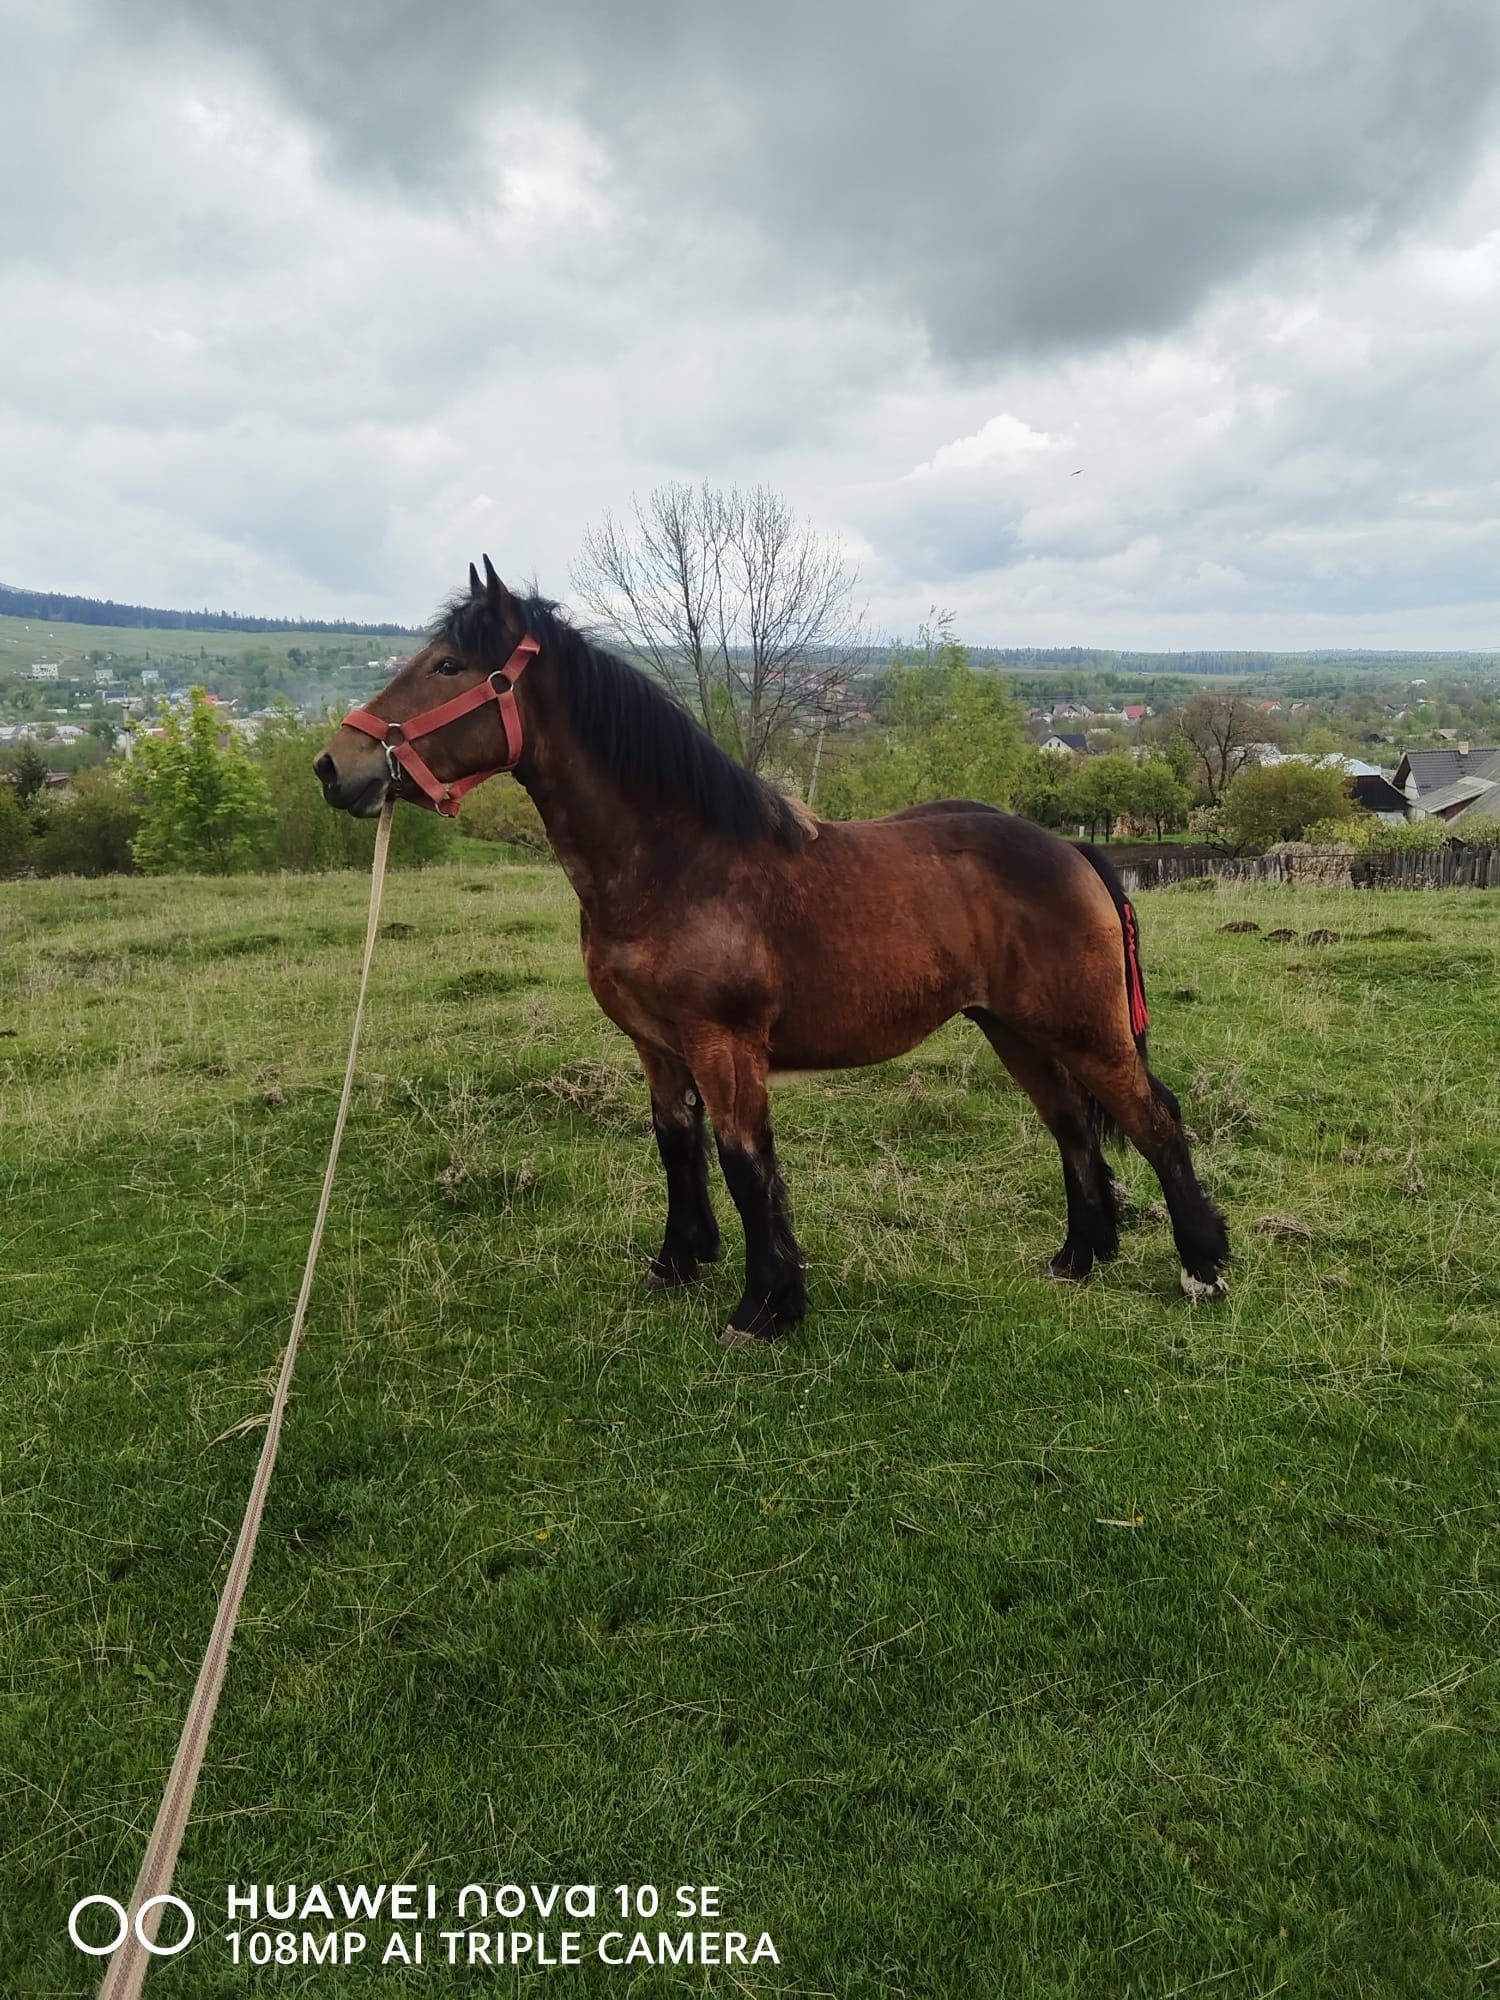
x: 449, y: 719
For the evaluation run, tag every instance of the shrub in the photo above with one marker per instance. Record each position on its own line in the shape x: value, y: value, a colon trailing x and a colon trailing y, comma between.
x: 204, y: 806
x: 1206, y: 823
x: 1268, y: 803
x: 501, y: 810
x: 309, y: 837
x: 91, y: 829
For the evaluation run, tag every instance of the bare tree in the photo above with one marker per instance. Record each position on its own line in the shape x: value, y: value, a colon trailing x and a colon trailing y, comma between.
x: 1225, y: 731
x: 732, y: 599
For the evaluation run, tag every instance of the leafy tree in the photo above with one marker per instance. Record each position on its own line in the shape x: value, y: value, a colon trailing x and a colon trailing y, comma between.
x: 948, y: 732
x: 1037, y: 792
x: 1271, y: 802
x: 1098, y: 791
x: 1181, y: 755
x: 1159, y: 795
x: 205, y: 807
x: 91, y: 829
x: 30, y: 772
x: 16, y: 835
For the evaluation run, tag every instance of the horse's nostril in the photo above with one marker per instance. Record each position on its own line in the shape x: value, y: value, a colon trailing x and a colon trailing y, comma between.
x: 324, y: 769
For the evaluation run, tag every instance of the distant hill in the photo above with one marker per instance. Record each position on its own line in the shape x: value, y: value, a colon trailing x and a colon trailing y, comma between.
x: 1095, y: 659
x: 57, y: 607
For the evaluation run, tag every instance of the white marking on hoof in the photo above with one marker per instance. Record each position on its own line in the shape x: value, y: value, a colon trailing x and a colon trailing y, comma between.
x: 1201, y: 1293
x: 736, y: 1336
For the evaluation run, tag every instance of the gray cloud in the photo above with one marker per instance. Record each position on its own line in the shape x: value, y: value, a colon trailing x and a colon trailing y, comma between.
x: 305, y: 305
x: 1010, y: 176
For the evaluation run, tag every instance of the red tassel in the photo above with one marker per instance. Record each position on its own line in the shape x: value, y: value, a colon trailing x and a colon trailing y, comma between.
x: 1135, y: 985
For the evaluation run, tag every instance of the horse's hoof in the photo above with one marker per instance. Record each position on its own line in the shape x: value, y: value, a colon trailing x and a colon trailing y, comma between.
x: 667, y: 1277
x: 737, y: 1336
x: 1065, y: 1274
x: 1203, y: 1292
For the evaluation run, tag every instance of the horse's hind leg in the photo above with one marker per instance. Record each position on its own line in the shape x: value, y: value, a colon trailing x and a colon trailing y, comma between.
x: 1063, y: 1106
x: 1148, y: 1114
x: 692, y: 1236
x: 732, y: 1074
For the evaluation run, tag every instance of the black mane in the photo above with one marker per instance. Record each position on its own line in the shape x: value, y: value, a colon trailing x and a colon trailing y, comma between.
x: 638, y: 731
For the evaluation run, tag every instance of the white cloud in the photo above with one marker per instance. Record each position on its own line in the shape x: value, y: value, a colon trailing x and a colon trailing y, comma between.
x: 1002, y: 437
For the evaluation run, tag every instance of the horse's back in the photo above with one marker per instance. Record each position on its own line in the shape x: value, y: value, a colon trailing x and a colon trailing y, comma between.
x: 1024, y: 857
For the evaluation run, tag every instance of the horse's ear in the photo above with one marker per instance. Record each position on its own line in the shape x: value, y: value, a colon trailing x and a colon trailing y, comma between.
x: 500, y: 600
x: 476, y: 588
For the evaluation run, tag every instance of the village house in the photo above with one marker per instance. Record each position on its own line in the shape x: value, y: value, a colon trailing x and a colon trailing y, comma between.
x: 1374, y: 791
x: 1474, y: 796
x: 1070, y: 743
x: 1422, y: 772
x: 181, y: 698
x: 1369, y: 785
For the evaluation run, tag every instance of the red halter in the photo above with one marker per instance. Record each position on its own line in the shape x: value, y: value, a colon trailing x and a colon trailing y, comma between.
x: 397, y: 736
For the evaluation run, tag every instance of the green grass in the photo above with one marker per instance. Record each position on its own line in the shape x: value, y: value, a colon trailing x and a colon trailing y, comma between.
x: 25, y: 640
x: 985, y: 1638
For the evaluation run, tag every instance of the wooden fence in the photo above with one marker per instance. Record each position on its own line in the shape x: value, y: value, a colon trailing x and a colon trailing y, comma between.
x: 1448, y: 868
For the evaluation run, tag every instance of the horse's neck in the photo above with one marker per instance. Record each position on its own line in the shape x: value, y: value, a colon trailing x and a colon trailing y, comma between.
x: 598, y: 833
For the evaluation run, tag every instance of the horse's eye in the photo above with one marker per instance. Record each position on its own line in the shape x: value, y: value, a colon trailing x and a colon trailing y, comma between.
x: 447, y: 666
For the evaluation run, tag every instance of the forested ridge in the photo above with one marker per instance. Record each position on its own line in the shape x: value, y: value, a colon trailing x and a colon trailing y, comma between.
x: 62, y: 608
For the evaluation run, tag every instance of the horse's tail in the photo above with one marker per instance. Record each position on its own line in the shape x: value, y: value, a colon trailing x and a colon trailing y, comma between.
x: 1135, y: 982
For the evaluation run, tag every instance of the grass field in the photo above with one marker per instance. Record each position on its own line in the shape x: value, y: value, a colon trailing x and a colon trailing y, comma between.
x: 985, y: 1638
x: 24, y: 640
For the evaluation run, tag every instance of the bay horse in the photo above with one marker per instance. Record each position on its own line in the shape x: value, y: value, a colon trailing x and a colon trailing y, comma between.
x: 730, y: 933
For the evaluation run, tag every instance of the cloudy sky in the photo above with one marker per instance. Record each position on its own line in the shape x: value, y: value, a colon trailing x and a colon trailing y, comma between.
x: 1171, y: 324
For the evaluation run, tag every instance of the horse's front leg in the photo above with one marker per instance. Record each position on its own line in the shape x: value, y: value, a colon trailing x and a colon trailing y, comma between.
x: 692, y: 1236
x: 732, y: 1076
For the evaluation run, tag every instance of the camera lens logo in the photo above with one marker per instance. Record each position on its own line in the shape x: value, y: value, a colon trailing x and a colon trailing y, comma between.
x: 122, y: 1919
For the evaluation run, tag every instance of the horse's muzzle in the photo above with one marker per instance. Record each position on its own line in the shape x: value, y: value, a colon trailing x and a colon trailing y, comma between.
x: 360, y: 792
